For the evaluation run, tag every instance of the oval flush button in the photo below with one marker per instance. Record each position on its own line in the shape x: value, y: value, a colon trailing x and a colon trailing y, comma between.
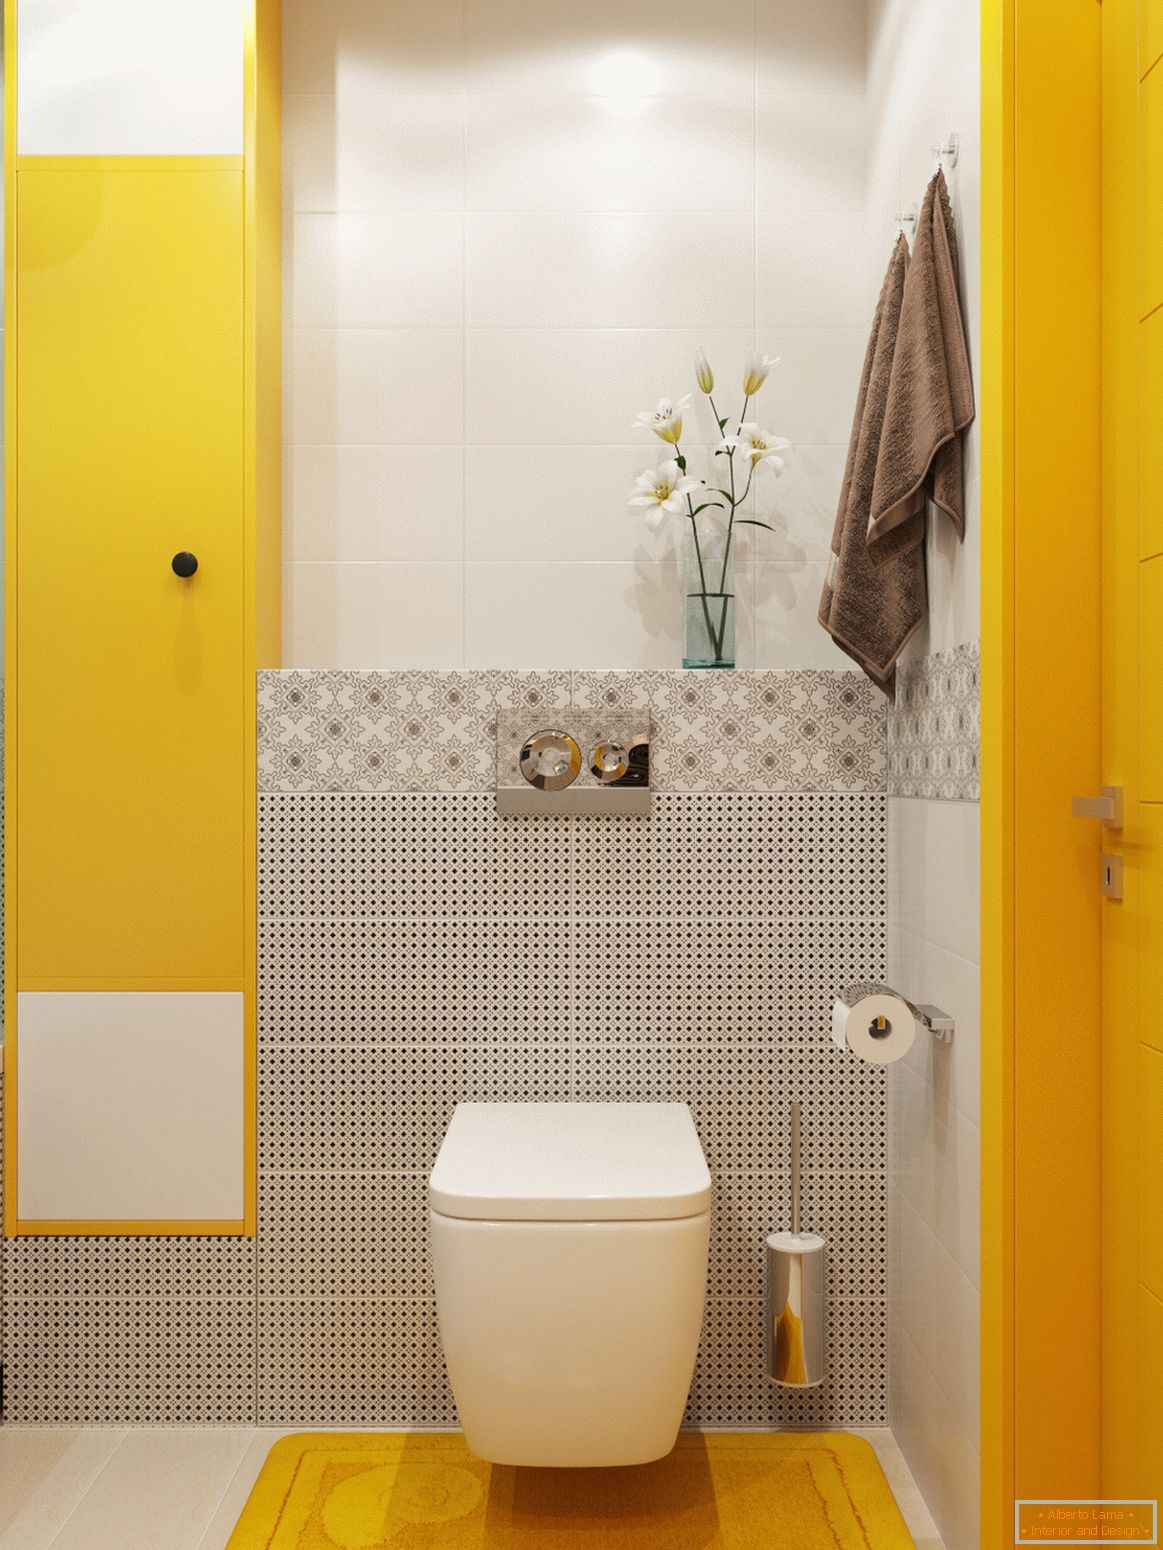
x: 550, y: 761
x: 609, y: 762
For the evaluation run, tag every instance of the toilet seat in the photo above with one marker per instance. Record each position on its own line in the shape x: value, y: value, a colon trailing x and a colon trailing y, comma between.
x: 564, y: 1162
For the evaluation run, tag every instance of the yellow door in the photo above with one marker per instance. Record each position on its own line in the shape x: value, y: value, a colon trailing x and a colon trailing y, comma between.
x: 1133, y: 748
x: 130, y: 685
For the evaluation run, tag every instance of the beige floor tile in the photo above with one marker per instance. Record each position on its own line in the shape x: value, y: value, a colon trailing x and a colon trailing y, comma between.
x: 234, y: 1497
x: 160, y: 1488
x: 918, y: 1518
x: 107, y: 1489
x: 44, y: 1473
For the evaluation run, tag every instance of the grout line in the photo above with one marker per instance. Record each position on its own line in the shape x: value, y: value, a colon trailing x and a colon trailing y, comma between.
x: 812, y: 330
x: 464, y: 401
x: 126, y: 1432
x: 253, y: 1431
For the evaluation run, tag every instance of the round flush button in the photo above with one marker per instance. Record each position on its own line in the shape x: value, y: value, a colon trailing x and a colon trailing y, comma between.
x: 550, y: 761
x: 610, y: 762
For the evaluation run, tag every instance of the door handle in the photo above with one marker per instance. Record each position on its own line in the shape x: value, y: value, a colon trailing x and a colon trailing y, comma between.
x: 184, y: 564
x: 1107, y: 808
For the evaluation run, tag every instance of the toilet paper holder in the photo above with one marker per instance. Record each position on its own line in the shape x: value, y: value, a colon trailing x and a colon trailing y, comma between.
x: 939, y: 1023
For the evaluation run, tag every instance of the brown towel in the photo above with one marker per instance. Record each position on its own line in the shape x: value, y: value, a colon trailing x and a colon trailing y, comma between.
x: 930, y: 397
x: 915, y: 402
x: 865, y: 608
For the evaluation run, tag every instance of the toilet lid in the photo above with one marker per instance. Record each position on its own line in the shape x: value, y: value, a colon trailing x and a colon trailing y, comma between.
x: 570, y: 1162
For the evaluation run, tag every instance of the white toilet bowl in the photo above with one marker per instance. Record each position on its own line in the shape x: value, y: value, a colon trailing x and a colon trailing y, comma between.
x: 569, y: 1245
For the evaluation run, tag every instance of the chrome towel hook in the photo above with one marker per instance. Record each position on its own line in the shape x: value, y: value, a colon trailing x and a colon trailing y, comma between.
x: 949, y: 152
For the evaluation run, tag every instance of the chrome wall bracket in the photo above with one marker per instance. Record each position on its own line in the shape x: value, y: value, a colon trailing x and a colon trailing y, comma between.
x: 585, y: 763
x: 939, y: 1023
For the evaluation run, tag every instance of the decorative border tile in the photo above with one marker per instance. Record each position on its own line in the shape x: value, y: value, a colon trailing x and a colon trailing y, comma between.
x: 335, y: 730
x: 934, y: 727
x: 797, y: 730
x: 800, y: 730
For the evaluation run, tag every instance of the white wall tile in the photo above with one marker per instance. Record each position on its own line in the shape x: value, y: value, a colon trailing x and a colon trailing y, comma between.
x: 560, y: 503
x: 811, y: 153
x: 934, y: 887
x: 800, y: 504
x: 951, y: 1073
x: 602, y: 153
x: 811, y: 395
x: 935, y: 1299
x: 545, y: 386
x: 787, y: 632
x: 373, y: 153
x: 509, y: 226
x: 956, y: 1364
x: 915, y: 1253
x: 913, y: 108
x: 374, y: 503
x: 610, y: 270
x: 395, y: 386
x: 923, y: 60
x: 957, y: 1207
x: 943, y: 1457
x: 811, y: 270
x: 954, y: 572
x: 609, y: 47
x: 575, y: 616
x: 373, y: 615
x: 372, y: 270
x: 349, y: 48
x: 810, y: 47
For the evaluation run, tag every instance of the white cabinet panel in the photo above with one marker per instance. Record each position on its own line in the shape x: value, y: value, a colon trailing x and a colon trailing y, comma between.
x: 129, y: 77
x: 130, y: 1105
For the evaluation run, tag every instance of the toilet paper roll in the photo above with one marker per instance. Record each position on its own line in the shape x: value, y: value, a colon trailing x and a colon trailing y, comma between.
x: 853, y: 1027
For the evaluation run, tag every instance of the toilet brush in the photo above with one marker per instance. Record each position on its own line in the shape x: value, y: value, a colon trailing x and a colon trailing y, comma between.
x: 794, y: 1324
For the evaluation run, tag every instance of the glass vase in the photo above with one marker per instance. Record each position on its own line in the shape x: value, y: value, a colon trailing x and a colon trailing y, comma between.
x: 708, y: 597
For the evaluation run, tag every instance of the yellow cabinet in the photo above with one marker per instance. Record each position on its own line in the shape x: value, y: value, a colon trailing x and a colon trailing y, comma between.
x: 130, y: 697
x: 142, y: 419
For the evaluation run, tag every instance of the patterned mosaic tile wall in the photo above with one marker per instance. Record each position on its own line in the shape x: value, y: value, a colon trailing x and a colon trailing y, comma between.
x: 934, y: 727
x: 415, y: 950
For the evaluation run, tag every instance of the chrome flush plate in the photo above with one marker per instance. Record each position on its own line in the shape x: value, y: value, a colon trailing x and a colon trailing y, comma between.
x: 580, y: 762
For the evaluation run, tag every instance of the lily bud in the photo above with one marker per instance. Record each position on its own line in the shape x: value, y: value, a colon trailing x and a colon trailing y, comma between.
x: 704, y: 376
x: 756, y: 372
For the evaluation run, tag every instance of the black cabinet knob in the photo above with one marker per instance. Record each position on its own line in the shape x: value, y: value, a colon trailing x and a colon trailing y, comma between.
x: 184, y: 564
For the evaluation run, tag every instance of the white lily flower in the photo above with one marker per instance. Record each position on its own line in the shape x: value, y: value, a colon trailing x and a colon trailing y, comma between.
x: 665, y: 421
x: 704, y: 376
x: 755, y: 373
x: 664, y: 491
x: 758, y: 445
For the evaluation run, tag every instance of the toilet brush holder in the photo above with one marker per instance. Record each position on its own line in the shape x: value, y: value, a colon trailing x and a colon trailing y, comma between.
x: 794, y: 1321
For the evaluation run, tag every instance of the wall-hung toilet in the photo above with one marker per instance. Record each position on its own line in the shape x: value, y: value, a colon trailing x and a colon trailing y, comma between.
x: 569, y: 1245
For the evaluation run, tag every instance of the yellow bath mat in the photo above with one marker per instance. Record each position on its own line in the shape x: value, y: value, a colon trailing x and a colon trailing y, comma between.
x: 716, y: 1491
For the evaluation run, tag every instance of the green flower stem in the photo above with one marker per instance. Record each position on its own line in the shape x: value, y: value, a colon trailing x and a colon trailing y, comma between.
x: 715, y: 642
x: 735, y: 503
